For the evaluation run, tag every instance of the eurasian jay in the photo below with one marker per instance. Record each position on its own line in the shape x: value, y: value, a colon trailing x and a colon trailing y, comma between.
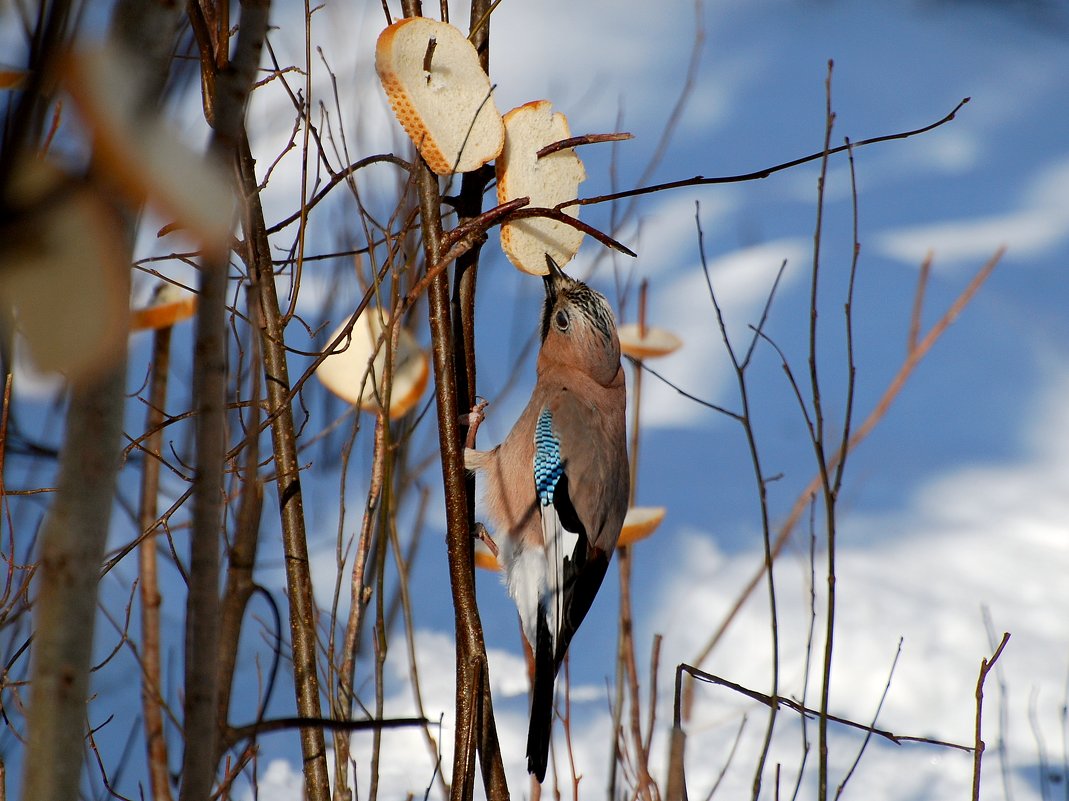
x: 557, y: 487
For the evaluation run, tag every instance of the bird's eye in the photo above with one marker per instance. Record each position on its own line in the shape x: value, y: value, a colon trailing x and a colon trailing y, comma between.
x: 561, y: 320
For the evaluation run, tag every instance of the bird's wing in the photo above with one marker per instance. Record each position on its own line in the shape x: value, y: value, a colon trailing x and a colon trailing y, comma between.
x: 581, y: 483
x: 582, y: 493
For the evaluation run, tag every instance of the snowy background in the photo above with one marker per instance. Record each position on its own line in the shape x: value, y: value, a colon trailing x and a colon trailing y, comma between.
x: 958, y: 503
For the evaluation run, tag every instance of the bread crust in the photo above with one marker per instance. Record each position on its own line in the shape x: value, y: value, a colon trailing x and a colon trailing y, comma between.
x: 449, y: 113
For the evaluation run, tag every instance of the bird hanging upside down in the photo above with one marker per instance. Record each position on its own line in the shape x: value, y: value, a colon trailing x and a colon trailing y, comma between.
x: 557, y: 487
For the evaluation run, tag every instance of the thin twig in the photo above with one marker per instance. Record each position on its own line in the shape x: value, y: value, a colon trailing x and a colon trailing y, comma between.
x: 897, y: 739
x: 287, y: 479
x: 1003, y: 710
x: 978, y: 743
x: 151, y: 701
x: 585, y: 139
x: 875, y: 717
x: 700, y: 180
x: 762, y: 489
x: 574, y: 222
x: 894, y: 388
x: 238, y: 733
x: 918, y: 301
x: 818, y: 442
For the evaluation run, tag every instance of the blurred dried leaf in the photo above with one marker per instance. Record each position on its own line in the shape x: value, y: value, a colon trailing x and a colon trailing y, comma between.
x: 142, y: 153
x: 63, y: 271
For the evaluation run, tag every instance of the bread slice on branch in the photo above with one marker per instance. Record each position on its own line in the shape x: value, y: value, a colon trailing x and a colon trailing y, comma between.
x: 549, y: 180
x: 440, y: 94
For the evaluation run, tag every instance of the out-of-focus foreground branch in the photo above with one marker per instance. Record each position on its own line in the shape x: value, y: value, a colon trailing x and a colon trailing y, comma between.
x: 75, y: 531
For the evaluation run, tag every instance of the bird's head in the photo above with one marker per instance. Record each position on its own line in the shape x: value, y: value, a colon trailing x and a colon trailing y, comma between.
x: 578, y: 327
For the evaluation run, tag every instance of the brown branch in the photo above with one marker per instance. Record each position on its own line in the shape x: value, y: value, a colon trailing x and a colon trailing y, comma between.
x: 585, y: 139
x: 462, y: 311
x: 978, y: 744
x: 233, y: 81
x: 480, y: 28
x: 471, y: 227
x: 202, y: 602
x: 431, y: 44
x: 238, y: 733
x: 475, y: 729
x: 817, y: 440
x: 458, y: 536
x: 241, y: 557
x: 675, y: 789
x: 801, y: 709
x: 567, y: 219
x: 151, y: 701
x: 701, y: 180
x: 626, y: 670
x: 287, y: 477
x: 345, y: 694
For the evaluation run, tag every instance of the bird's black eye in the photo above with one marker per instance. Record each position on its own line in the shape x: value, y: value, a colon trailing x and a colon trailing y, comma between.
x: 561, y: 320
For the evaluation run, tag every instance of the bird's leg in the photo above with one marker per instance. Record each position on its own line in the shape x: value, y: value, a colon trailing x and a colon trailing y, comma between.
x: 473, y: 420
x: 480, y: 533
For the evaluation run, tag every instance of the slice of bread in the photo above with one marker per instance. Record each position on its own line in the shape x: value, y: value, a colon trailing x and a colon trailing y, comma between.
x: 448, y: 111
x: 547, y: 181
x: 354, y: 370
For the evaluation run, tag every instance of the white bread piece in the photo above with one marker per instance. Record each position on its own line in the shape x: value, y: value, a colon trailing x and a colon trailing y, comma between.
x: 437, y: 113
x: 354, y: 371
x: 547, y: 181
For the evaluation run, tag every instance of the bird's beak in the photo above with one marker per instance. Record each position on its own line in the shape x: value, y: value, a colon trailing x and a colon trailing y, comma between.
x: 553, y: 279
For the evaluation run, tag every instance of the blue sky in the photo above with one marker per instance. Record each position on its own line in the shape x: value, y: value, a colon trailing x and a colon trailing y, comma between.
x: 956, y: 502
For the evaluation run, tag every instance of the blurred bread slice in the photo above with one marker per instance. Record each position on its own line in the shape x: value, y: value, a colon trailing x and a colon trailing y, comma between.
x: 547, y: 181
x: 448, y: 112
x: 648, y: 344
x: 169, y: 305
x: 354, y: 370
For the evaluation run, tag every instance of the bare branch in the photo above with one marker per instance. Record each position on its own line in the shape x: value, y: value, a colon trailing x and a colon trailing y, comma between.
x: 700, y: 180
x: 897, y: 739
x: 585, y: 139
x: 978, y: 743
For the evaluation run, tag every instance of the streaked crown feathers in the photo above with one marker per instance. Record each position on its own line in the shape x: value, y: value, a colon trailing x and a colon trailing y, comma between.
x: 564, y: 293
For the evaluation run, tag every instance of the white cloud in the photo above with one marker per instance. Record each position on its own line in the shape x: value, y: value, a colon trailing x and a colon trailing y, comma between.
x: 742, y: 280
x: 1039, y: 224
x: 1027, y: 234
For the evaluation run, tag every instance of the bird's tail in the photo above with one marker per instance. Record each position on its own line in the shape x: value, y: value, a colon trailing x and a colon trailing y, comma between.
x: 545, y: 671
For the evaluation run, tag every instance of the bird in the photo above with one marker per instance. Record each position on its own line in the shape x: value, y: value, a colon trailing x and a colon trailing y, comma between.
x: 556, y: 488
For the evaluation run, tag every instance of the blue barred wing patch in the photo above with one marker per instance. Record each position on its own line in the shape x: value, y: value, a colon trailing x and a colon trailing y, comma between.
x: 548, y: 467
